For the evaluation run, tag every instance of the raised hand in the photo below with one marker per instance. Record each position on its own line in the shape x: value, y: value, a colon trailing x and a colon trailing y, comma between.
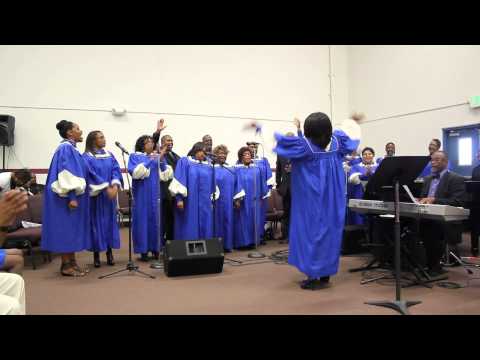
x: 161, y: 125
x: 296, y: 122
x: 180, y: 205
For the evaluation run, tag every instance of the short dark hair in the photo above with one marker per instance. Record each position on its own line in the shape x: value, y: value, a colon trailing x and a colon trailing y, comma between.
x: 442, y: 152
x: 198, y: 146
x: 140, y: 143
x: 368, y: 149
x: 164, y: 137
x: 63, y: 126
x: 242, y: 150
x: 318, y: 128
x: 439, y: 143
x: 23, y: 176
x: 219, y: 148
x: 389, y: 143
x: 90, y: 142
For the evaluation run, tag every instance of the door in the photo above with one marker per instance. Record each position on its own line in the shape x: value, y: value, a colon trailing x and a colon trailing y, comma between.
x: 461, y: 145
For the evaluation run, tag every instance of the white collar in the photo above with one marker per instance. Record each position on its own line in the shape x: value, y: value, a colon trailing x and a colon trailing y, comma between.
x: 191, y: 159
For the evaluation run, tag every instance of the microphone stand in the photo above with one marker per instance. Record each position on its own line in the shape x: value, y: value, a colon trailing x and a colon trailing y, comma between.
x: 130, y: 265
x: 398, y: 304
x: 158, y: 264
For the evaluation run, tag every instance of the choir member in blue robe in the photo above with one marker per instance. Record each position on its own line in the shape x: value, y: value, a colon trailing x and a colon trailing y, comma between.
x: 230, y: 193
x: 389, y: 151
x: 192, y: 186
x: 147, y: 170
x: 318, y: 195
x: 358, y: 177
x: 249, y: 217
x: 103, y: 205
x: 433, y: 147
x: 266, y: 170
x: 66, y: 206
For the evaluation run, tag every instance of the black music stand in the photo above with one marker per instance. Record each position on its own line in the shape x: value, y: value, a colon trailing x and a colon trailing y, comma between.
x: 396, y: 171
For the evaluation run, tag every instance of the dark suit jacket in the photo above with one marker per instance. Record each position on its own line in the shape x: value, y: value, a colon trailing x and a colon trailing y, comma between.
x: 282, y: 177
x: 171, y: 159
x: 450, y: 191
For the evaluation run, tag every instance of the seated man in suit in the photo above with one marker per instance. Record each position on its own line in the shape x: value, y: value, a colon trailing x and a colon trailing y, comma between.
x: 443, y: 187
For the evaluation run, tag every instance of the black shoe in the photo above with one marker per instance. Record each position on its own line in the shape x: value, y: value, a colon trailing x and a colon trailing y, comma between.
x: 96, y: 259
x: 314, y: 284
x: 110, y: 260
x: 144, y: 257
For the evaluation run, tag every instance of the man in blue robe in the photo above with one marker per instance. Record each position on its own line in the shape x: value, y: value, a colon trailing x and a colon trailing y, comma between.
x: 318, y: 195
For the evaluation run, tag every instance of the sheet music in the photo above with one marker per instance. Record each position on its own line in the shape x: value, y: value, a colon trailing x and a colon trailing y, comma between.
x: 410, y: 194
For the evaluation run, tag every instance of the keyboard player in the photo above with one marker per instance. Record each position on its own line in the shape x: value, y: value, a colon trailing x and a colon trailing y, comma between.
x: 442, y: 187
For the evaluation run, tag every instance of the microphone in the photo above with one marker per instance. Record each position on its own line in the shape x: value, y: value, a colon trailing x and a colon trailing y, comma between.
x: 121, y: 147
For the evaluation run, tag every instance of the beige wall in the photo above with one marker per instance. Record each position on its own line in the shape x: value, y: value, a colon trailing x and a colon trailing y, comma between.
x: 266, y: 82
x: 388, y: 81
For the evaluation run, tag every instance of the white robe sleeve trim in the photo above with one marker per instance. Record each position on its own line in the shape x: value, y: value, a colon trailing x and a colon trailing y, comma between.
x: 346, y: 168
x: 67, y: 182
x: 354, y: 178
x: 351, y: 128
x: 271, y: 181
x: 140, y: 172
x: 96, y: 189
x: 217, y: 194
x: 240, y: 195
x: 117, y: 182
x: 177, y: 188
x: 167, y: 174
x: 268, y: 194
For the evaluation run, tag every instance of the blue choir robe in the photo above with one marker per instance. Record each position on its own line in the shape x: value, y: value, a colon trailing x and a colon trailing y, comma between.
x: 255, y: 190
x: 65, y: 230
x: 266, y: 171
x: 357, y: 180
x: 103, y: 211
x: 230, y: 190
x: 193, y: 183
x: 318, y: 199
x: 147, y: 172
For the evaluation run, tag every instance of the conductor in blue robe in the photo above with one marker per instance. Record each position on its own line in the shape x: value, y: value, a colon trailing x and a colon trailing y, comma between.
x: 230, y: 193
x: 103, y: 205
x: 249, y: 217
x: 192, y: 187
x: 66, y: 206
x: 357, y: 178
x: 318, y: 195
x: 147, y: 169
